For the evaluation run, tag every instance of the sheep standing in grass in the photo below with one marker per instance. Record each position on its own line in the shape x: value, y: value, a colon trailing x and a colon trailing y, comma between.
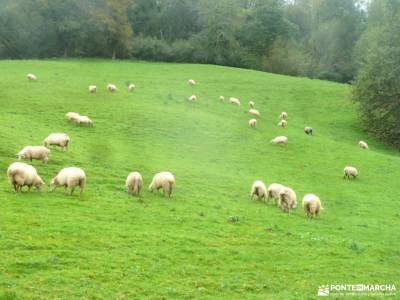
x: 287, y: 199
x: 282, y: 123
x: 311, y: 205
x: 57, y: 139
x: 131, y: 87
x: 34, y: 152
x: 308, y: 130
x: 254, y: 112
x: 31, y: 77
x: 283, y: 116
x: 192, y: 98
x: 72, y: 116
x: 251, y: 104
x: 85, y: 120
x: 234, y: 101
x: 92, y: 88
x: 134, y: 183
x: 69, y: 178
x: 280, y: 140
x: 191, y: 82
x: 253, y: 123
x: 259, y: 190
x: 363, y: 145
x: 112, y: 87
x: 164, y: 180
x: 350, y: 172
x: 21, y: 175
x: 221, y: 99
x: 273, y: 191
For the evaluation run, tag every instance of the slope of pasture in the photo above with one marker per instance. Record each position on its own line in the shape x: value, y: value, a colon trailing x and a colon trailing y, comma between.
x: 110, y: 245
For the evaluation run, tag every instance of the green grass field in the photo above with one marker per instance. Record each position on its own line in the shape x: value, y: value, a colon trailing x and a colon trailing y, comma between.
x: 110, y: 245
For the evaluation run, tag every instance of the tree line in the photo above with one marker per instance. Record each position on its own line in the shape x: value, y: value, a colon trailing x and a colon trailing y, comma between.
x: 355, y: 41
x: 313, y: 38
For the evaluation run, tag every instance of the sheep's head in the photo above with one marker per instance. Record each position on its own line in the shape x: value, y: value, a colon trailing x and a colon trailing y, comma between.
x: 39, y: 183
x: 53, y: 184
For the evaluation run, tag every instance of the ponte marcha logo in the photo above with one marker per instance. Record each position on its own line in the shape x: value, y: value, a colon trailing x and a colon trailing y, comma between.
x: 357, y: 289
x: 323, y: 290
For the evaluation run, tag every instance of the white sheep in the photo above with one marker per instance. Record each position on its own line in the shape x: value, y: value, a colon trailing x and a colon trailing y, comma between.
x: 21, y: 175
x: 308, y: 130
x: 221, y: 99
x: 311, y: 205
x: 131, y: 87
x: 85, y: 120
x: 92, y: 88
x: 253, y: 123
x: 57, y: 139
x: 112, y: 87
x: 234, y: 101
x: 363, y: 145
x: 287, y: 199
x: 34, y: 152
x: 251, y: 104
x: 164, y: 180
x: 259, y: 190
x: 280, y: 140
x: 191, y: 82
x: 134, y: 183
x: 273, y: 191
x: 254, y: 112
x: 192, y: 98
x: 69, y: 178
x: 283, y: 116
x: 282, y: 123
x: 350, y: 171
x: 31, y: 77
x: 72, y: 116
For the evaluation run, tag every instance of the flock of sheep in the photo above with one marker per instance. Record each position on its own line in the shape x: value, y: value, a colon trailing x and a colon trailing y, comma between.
x: 21, y: 174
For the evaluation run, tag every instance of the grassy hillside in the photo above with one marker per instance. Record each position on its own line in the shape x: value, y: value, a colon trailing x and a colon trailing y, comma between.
x: 110, y: 245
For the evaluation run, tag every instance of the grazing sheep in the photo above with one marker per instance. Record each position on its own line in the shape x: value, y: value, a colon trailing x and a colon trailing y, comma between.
x: 92, y: 88
x: 234, y: 101
x: 192, y: 98
x: 31, y: 77
x: 253, y: 123
x: 34, y: 152
x: 363, y: 145
x: 311, y: 205
x: 274, y: 190
x: 134, y: 183
x: 112, y: 87
x: 85, y: 121
x: 254, y: 112
x: 57, y: 139
x: 221, y: 99
x: 287, y: 199
x: 251, y: 104
x: 131, y: 87
x: 164, y: 180
x: 191, y: 82
x: 21, y: 175
x: 72, y: 116
x: 308, y: 130
x: 69, y: 178
x: 350, y: 171
x: 282, y: 123
x: 283, y: 116
x: 280, y: 140
x: 259, y: 190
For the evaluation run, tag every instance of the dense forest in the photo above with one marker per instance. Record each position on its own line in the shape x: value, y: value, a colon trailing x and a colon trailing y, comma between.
x: 314, y: 38
x: 340, y: 40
